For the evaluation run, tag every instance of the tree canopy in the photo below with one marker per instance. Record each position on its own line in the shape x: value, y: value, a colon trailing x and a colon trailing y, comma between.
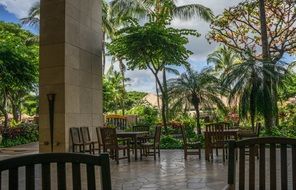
x: 239, y: 28
x: 18, y: 64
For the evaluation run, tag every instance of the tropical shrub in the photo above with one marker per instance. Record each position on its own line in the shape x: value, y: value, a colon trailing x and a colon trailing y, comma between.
x: 146, y: 113
x: 169, y: 142
x: 21, y: 134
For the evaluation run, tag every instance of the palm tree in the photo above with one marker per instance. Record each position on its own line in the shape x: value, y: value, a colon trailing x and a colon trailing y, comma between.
x: 198, y: 89
x: 247, y: 86
x: 156, y: 9
x: 223, y: 58
x: 113, y: 90
x: 33, y: 18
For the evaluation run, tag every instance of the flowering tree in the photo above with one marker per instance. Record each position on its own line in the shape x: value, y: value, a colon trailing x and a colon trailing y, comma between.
x: 266, y: 30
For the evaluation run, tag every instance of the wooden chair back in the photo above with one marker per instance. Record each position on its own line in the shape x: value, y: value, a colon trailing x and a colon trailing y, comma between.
x: 215, y: 133
x: 75, y: 135
x: 141, y: 128
x: 109, y: 138
x: 276, y: 169
x: 85, y: 134
x: 28, y: 162
x: 99, y: 136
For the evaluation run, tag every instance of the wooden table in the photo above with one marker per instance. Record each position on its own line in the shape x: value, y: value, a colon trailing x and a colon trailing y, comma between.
x: 134, y: 136
x: 226, y: 135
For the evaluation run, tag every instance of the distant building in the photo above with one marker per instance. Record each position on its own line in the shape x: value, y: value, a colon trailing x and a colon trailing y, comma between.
x: 153, y: 100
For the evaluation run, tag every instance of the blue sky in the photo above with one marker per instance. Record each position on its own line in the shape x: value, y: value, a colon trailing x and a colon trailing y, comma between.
x: 13, y: 10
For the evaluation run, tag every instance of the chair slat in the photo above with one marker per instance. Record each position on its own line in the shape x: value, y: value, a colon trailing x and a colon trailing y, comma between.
x: 262, y: 167
x: 105, y: 172
x: 30, y: 177
x: 46, y: 176
x: 242, y: 168
x: 252, y: 167
x: 294, y: 166
x: 76, y: 176
x: 272, y: 167
x: 284, y: 166
x: 61, y: 174
x: 91, y: 179
x: 13, y: 179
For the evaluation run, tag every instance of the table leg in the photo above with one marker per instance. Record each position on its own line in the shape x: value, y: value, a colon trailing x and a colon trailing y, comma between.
x: 136, y: 152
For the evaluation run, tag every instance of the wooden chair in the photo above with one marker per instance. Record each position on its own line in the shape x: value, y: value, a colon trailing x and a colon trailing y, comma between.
x: 110, y: 141
x: 76, y: 140
x: 142, y: 128
x: 270, y: 145
x: 28, y: 162
x: 86, y: 140
x: 251, y: 134
x: 216, y: 139
x: 190, y: 148
x: 155, y: 145
x: 99, y: 137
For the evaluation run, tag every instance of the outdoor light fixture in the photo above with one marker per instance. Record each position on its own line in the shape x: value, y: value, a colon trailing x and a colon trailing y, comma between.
x: 51, y: 100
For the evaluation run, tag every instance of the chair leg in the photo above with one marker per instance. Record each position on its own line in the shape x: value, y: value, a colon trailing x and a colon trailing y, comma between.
x: 199, y: 152
x: 216, y: 151
x: 185, y: 154
x: 158, y: 151
x: 154, y: 153
x: 117, y: 156
x: 223, y: 154
x: 128, y: 155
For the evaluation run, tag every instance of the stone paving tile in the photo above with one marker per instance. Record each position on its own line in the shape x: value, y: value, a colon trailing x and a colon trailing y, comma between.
x: 170, y: 172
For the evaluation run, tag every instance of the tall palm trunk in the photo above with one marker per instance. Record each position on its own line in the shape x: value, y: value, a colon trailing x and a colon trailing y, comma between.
x: 268, y: 90
x: 122, y: 71
x: 103, y: 54
x: 195, y: 102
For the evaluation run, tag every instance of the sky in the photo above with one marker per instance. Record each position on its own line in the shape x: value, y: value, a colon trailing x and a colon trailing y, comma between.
x: 13, y: 10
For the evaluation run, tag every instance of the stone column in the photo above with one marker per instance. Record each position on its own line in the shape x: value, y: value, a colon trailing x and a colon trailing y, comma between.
x: 70, y: 67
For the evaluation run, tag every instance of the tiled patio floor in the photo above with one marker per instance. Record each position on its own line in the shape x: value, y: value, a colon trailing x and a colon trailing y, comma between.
x: 170, y: 172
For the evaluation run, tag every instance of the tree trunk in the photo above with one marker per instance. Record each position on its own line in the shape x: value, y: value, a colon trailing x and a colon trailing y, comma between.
x: 195, y: 101
x: 157, y: 94
x: 103, y: 53
x: 15, y: 112
x: 3, y: 109
x: 268, y: 92
x: 165, y: 95
x: 122, y: 71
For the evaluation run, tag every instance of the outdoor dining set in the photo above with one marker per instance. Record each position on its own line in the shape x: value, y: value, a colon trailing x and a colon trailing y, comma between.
x: 113, y: 141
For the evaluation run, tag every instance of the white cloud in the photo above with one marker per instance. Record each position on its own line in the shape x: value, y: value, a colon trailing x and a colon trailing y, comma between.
x: 19, y: 8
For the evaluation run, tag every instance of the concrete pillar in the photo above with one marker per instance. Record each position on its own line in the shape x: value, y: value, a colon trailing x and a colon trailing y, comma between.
x: 70, y: 67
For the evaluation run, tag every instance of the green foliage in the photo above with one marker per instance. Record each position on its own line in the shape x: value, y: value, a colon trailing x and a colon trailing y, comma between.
x: 21, y: 134
x: 18, y: 66
x: 133, y: 98
x: 151, y: 45
x: 197, y: 89
x: 113, y: 91
x: 146, y: 113
x: 169, y: 142
x: 289, y: 87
